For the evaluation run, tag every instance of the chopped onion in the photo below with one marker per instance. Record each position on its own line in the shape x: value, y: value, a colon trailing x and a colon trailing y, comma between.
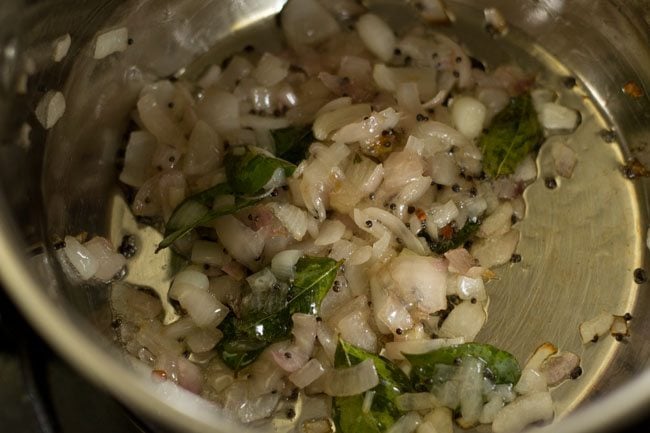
x: 496, y: 21
x: 203, y: 307
x: 50, y: 109
x: 210, y: 253
x: 293, y: 219
x: 468, y: 115
x: 283, y: 264
x: 210, y: 77
x: 80, y: 258
x: 498, y: 223
x: 593, y: 329
x: 361, y: 179
x: 619, y: 327
x: 555, y: 117
x: 496, y: 251
x: 416, y: 401
x: 396, y: 349
x: 540, y: 355
x: 524, y: 411
x: 220, y: 110
x: 137, y: 159
x: 307, y: 22
x: 330, y: 232
x: 470, y: 378
x: 421, y: 280
x: 60, y: 47
x: 355, y: 329
x: 526, y: 171
x: 441, y: 215
x: 559, y: 368
x: 441, y: 418
x: 262, y: 281
x: 110, y: 262
x: 369, y: 129
x: 351, y: 381
x: 460, y: 261
x: 203, y: 340
x: 564, y: 158
x: 188, y: 278
x: 398, y: 228
x: 465, y: 320
x: 156, y: 117
x: 390, y: 314
x: 531, y: 381
x: 333, y: 120
x: 311, y: 371
x: 444, y: 170
x: 406, y: 424
x: 204, y: 150
x: 490, y: 410
x: 434, y: 11
x: 270, y: 70
x: 377, y: 36
x: 390, y: 79
x: 111, y: 41
x: 471, y: 288
x: 242, y: 243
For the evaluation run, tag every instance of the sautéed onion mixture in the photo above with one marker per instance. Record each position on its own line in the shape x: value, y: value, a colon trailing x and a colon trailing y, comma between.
x: 338, y: 207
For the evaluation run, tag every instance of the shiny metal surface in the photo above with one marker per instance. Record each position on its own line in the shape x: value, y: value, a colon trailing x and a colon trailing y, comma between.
x: 580, y: 243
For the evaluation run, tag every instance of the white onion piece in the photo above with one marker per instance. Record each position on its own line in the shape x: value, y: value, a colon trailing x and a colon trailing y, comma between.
x: 368, y: 129
x: 270, y: 70
x: 180, y: 328
x: 210, y: 253
x: 60, y: 47
x: 262, y: 281
x: 440, y: 418
x: 444, y: 170
x: 390, y: 79
x: 80, y: 258
x: 333, y: 120
x: 377, y: 36
x: 490, y: 410
x: 526, y: 171
x: 304, y: 332
x: 203, y: 307
x: 292, y: 218
x: 460, y: 260
x: 361, y: 179
x: 471, y: 288
x: 620, y: 327
x: 205, y: 150
x: 190, y: 376
x: 361, y: 255
x: 330, y: 232
x: 443, y: 214
x: 210, y: 77
x: 158, y: 121
x: 203, y: 340
x: 311, y: 371
x: 540, y: 355
x: 139, y: 153
x: 389, y: 312
x: 494, y: 99
x: 220, y: 110
x: 435, y: 12
x: 188, y: 278
x: 335, y: 104
x: 150, y: 336
x: 465, y: 320
x: 262, y: 122
x: 470, y: 391
x: 421, y: 280
x: 290, y: 359
x: 400, y: 168
x: 307, y: 22
x: 444, y: 133
x: 592, y: 329
x: 111, y: 41
x: 494, y: 18
x: 327, y: 339
x: 559, y: 368
x: 110, y: 262
x: 406, y: 424
x: 50, y: 108
x: 242, y: 243
x: 524, y: 411
x: 408, y: 97
x: 496, y: 251
x: 416, y: 401
x: 530, y: 381
x: 283, y: 264
x: 555, y: 117
x: 498, y: 223
x: 355, y: 329
x: 468, y: 115
x: 351, y: 381
x: 395, y: 350
x: 396, y: 226
x: 564, y: 158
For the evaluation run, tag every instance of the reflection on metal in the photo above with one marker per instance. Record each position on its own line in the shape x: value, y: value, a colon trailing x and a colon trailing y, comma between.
x: 146, y: 268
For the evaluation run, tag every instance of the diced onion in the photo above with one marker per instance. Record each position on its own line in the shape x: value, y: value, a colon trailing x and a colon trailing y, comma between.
x: 333, y: 120
x: 496, y: 251
x: 596, y: 327
x: 564, y: 158
x: 137, y: 160
x: 60, y: 47
x: 352, y: 380
x: 283, y: 264
x: 210, y: 253
x: 110, y: 42
x: 465, y: 320
x: 311, y: 371
x: 377, y: 36
x: 306, y: 22
x: 270, y: 70
x: 80, y: 258
x: 330, y: 232
x: 524, y: 411
x: 50, y: 109
x: 416, y: 401
x: 203, y: 340
x: 244, y: 244
x: 406, y: 424
x: 556, y: 117
x: 293, y: 218
x: 110, y: 262
x: 468, y: 115
x: 204, y: 309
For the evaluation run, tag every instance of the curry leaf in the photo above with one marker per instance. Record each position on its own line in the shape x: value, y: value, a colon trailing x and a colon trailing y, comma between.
x: 246, y: 337
x: 249, y: 171
x: 514, y: 133
x: 292, y: 143
x: 348, y: 414
x: 457, y: 239
x: 432, y: 367
x: 197, y: 210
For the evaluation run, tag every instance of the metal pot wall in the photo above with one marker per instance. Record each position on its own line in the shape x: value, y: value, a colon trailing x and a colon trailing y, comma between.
x: 59, y: 182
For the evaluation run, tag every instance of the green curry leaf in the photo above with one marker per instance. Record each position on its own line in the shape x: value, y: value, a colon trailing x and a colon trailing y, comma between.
x: 292, y: 143
x: 515, y: 132
x: 249, y: 171
x: 246, y: 337
x: 432, y: 367
x: 348, y: 414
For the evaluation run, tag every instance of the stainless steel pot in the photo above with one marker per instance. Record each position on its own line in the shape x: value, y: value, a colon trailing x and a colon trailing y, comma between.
x: 580, y: 246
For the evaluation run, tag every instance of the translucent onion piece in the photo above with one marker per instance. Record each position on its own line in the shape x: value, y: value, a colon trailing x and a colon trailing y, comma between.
x: 592, y: 329
x: 416, y: 401
x: 307, y: 22
x: 203, y: 307
x: 333, y: 120
x: 242, y: 243
x: 80, y: 258
x: 351, y: 381
x: 50, y: 109
x: 311, y: 371
x: 110, y: 262
x: 406, y: 424
x: 468, y: 115
x: 422, y: 281
x: 111, y: 41
x: 465, y: 320
x: 496, y: 251
x: 377, y: 36
x: 330, y: 232
x: 137, y: 159
x: 524, y: 411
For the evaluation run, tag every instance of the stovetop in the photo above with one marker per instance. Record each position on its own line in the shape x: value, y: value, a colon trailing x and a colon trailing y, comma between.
x: 40, y: 393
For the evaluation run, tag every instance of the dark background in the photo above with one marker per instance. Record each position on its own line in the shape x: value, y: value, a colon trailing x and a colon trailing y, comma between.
x: 40, y: 393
